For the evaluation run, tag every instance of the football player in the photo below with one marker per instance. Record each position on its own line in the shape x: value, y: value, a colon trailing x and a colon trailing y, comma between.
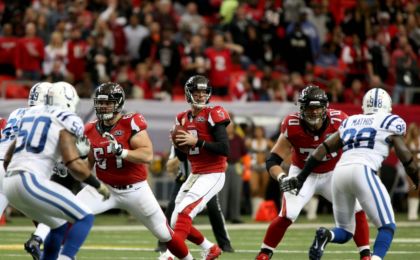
x: 209, y: 147
x: 120, y: 150
x: 45, y: 134
x: 300, y: 134
x: 365, y: 140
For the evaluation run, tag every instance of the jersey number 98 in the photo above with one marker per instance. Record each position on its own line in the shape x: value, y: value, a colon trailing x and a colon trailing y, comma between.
x: 364, y: 138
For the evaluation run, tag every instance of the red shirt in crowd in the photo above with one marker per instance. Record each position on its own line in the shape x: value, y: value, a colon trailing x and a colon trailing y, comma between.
x: 8, y: 50
x: 29, y: 54
x: 76, y: 56
x: 220, y: 67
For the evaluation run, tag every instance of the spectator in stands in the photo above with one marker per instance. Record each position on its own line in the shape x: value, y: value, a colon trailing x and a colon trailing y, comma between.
x: 55, y: 55
x: 354, y: 22
x: 254, y: 48
x: 29, y: 55
x: 168, y: 55
x: 8, y: 44
x: 160, y: 86
x: 230, y: 195
x: 147, y: 48
x: 357, y: 57
x: 380, y: 56
x: 298, y: 51
x: 42, y: 28
x: 140, y: 80
x: 322, y: 19
x: 77, y: 50
x: 406, y: 71
x: 118, y: 34
x: 221, y: 64
x: 335, y: 92
x: 191, y: 19
x: 99, y: 60
x: 195, y: 61
x: 165, y: 15
x: 412, y: 139
x: 259, y: 146
x: 135, y: 34
x: 308, y: 29
x: 238, y: 26
x: 102, y: 28
x: 354, y: 94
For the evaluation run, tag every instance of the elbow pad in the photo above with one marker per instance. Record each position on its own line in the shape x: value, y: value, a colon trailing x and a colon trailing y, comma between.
x: 273, y: 160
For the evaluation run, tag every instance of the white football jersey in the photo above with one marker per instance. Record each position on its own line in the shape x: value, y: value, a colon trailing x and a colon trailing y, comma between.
x: 365, y: 138
x: 37, y: 142
x: 10, y: 130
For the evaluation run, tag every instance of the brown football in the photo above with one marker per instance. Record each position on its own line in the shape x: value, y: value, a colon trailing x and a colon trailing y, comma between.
x: 174, y: 133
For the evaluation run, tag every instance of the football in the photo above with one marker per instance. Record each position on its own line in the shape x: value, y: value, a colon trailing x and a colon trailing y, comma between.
x: 176, y: 131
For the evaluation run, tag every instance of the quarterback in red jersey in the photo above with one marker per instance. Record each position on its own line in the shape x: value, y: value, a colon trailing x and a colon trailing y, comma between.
x: 300, y: 134
x: 206, y: 135
x: 120, y: 148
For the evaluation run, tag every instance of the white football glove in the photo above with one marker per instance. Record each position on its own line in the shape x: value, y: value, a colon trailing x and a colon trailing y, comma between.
x: 104, y: 191
x: 116, y: 148
x: 83, y: 146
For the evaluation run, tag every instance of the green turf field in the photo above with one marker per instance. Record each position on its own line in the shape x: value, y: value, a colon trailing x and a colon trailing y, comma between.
x: 115, y: 237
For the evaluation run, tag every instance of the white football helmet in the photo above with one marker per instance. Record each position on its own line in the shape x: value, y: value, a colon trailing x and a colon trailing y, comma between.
x: 37, y: 93
x: 63, y: 94
x: 376, y: 100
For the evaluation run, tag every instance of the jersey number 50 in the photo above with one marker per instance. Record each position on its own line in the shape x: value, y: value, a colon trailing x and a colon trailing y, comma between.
x: 39, y: 130
x: 364, y: 138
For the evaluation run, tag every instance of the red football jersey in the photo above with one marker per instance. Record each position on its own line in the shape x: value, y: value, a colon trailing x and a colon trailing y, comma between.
x: 109, y: 168
x: 304, y: 143
x: 203, y: 161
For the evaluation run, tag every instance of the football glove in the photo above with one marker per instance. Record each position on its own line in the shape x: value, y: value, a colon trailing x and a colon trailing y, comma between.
x: 116, y: 148
x: 83, y: 146
x: 291, y: 184
x: 104, y: 191
x: 60, y: 169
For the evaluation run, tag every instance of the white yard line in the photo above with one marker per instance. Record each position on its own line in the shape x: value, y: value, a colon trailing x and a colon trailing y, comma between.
x: 256, y: 226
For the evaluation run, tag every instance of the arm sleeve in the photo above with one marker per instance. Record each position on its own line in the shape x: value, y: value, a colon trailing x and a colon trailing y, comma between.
x: 220, y: 145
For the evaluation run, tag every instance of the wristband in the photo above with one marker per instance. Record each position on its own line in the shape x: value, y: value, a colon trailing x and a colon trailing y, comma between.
x: 92, y: 181
x: 124, y: 153
x: 280, y: 176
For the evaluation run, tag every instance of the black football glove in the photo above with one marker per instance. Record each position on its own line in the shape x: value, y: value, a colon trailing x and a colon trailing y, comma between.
x: 291, y: 184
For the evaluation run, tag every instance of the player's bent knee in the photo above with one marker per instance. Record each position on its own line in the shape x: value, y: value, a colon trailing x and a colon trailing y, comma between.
x: 163, y: 233
x: 391, y: 227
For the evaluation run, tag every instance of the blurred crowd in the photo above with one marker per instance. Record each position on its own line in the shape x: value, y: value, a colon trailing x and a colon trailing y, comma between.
x: 251, y: 50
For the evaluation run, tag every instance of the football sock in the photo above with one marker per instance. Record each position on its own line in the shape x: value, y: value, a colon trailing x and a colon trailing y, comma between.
x: 383, y: 240
x: 413, y: 208
x: 276, y: 230
x: 42, y: 231
x: 340, y: 235
x: 177, y: 246
x: 195, y: 236
x: 361, y: 234
x: 52, y: 242
x: 77, y: 235
x: 183, y: 225
x: 206, y: 244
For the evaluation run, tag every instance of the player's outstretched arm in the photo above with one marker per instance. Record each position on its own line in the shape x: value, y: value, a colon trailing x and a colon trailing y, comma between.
x: 78, y: 167
x: 280, y: 152
x: 406, y: 157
